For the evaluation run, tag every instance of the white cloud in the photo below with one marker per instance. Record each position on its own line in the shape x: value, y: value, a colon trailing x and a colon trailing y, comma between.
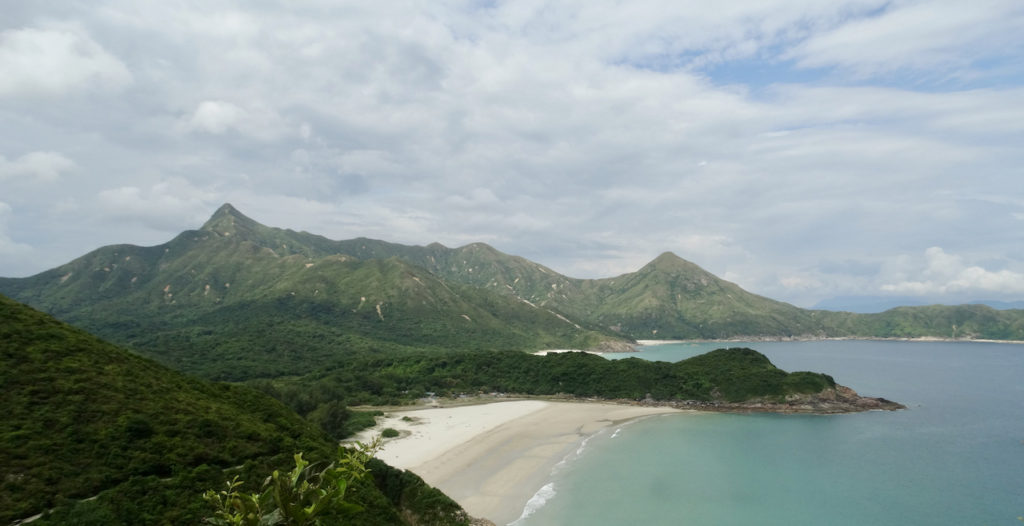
x: 919, y: 35
x: 217, y: 117
x: 801, y: 283
x: 947, y: 274
x: 707, y: 247
x: 165, y: 206
x: 39, y: 166
x: 586, y: 135
x: 9, y: 247
x: 475, y: 198
x: 54, y: 61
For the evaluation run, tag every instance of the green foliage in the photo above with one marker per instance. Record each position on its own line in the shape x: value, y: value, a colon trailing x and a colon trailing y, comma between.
x: 391, y: 378
x: 739, y: 374
x: 99, y: 436
x: 932, y: 321
x: 389, y: 432
x: 82, y: 416
x: 426, y: 505
x: 237, y: 300
x: 147, y: 500
x: 306, y: 495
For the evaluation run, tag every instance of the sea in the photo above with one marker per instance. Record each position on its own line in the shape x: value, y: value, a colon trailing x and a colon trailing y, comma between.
x: 955, y: 456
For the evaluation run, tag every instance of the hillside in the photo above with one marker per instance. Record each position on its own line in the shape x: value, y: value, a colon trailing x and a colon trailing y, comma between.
x: 965, y: 322
x: 83, y: 417
x: 671, y: 298
x: 734, y: 379
x: 238, y: 300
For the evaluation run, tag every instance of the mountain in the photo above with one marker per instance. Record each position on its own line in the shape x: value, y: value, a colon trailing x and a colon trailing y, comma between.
x: 236, y: 299
x: 671, y: 298
x: 138, y: 442
x: 875, y: 304
x: 999, y: 305
x: 867, y: 304
x: 964, y: 322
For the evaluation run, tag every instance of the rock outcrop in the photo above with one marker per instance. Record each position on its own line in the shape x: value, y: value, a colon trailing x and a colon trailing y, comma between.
x: 840, y: 399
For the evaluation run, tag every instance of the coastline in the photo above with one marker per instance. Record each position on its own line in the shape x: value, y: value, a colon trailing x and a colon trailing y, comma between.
x: 493, y: 458
x: 742, y: 339
x: 557, y: 351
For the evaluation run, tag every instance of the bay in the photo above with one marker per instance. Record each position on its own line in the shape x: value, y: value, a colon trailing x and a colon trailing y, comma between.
x: 955, y: 456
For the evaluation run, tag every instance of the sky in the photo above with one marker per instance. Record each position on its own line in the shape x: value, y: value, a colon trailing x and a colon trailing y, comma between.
x: 802, y: 149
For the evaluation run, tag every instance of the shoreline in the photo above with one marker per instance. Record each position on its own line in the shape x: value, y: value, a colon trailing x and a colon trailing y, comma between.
x: 493, y: 458
x: 546, y: 352
x: 755, y: 339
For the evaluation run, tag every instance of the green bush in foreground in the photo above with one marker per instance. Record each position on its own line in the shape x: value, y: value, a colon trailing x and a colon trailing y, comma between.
x: 306, y: 495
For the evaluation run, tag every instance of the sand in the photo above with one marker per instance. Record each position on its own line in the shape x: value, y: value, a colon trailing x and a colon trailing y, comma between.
x: 492, y: 458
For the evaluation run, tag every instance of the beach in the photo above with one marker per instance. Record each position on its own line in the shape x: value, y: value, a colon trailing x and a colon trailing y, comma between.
x: 492, y: 458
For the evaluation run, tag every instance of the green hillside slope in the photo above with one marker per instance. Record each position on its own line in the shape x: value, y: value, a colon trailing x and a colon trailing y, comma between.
x: 728, y: 375
x: 671, y: 298
x: 85, y: 419
x: 237, y: 300
x: 965, y: 322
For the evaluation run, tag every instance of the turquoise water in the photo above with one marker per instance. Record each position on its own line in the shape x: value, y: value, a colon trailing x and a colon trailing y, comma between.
x: 955, y: 457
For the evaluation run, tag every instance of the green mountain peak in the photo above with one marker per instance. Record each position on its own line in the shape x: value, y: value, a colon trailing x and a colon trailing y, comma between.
x: 227, y: 220
x: 668, y: 257
x: 671, y: 263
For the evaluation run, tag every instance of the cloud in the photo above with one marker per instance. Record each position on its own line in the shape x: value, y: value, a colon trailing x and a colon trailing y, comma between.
x: 54, y: 61
x: 946, y: 274
x: 9, y: 247
x: 475, y: 198
x: 218, y: 117
x: 165, y: 206
x: 801, y: 283
x: 918, y: 35
x: 38, y: 166
x: 763, y: 140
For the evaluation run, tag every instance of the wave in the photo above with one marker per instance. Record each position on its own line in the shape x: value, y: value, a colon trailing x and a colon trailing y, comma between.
x: 536, y: 502
x: 545, y: 493
x: 583, y: 445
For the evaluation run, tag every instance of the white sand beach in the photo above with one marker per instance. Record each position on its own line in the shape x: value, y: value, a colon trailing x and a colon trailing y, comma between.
x: 492, y: 458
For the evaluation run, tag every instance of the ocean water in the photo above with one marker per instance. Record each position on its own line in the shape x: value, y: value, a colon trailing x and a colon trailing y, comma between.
x: 954, y: 457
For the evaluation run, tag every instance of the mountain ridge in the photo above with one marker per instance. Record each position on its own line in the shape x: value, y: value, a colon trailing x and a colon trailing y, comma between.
x: 222, y: 288
x: 235, y: 293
